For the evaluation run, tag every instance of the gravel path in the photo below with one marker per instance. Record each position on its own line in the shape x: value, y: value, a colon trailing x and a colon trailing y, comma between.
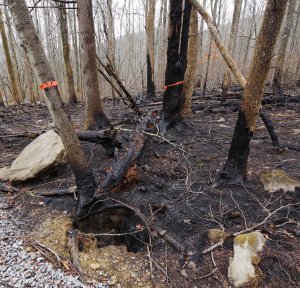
x: 20, y: 268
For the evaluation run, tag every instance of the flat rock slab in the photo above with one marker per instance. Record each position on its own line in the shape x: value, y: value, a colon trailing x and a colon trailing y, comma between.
x: 44, y: 152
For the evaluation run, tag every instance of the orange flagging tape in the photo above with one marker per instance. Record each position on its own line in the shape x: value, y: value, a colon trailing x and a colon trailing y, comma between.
x: 48, y: 84
x: 174, y: 84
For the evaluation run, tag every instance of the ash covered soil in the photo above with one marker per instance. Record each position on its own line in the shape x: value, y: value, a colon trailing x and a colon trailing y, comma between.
x: 174, y: 186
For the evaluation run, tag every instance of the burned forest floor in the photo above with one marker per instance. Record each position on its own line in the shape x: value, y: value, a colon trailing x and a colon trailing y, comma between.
x: 175, y: 186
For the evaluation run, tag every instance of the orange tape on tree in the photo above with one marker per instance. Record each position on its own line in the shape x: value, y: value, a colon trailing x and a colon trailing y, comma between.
x: 174, y: 84
x: 48, y: 84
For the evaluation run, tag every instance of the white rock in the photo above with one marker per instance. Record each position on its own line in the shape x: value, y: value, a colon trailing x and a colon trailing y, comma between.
x: 4, y: 174
x: 241, y: 269
x: 44, y: 152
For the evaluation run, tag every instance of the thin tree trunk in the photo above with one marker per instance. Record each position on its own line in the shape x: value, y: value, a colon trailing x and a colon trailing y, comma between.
x: 111, y: 41
x: 214, y: 14
x: 150, y: 14
x: 1, y: 99
x: 207, y: 66
x: 235, y: 168
x: 66, y: 52
x: 283, y: 44
x: 231, y: 46
x: 161, y: 64
x: 11, y: 73
x: 190, y: 74
x: 84, y: 177
x: 199, y: 73
x: 29, y: 79
x: 95, y: 117
x: 14, y: 58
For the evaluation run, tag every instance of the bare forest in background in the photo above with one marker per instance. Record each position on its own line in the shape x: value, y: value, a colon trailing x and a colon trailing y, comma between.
x: 130, y: 46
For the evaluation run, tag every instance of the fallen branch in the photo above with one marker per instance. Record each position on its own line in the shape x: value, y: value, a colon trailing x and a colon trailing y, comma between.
x: 58, y: 192
x: 7, y: 188
x: 111, y: 73
x: 127, y: 160
x: 211, y: 248
x: 207, y: 275
x: 265, y: 220
x: 58, y: 260
x: 169, y: 239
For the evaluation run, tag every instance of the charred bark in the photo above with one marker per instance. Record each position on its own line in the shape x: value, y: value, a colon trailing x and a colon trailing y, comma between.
x: 127, y: 160
x: 235, y: 168
x: 176, y: 64
x: 236, y: 165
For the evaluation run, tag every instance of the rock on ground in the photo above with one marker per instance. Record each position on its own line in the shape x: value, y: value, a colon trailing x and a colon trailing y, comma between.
x: 44, y: 152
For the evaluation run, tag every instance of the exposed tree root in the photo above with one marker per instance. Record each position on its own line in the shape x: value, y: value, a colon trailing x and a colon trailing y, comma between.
x: 74, y: 252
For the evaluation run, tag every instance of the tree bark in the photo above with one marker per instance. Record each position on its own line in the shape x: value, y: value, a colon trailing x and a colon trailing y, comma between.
x: 11, y: 73
x: 232, y: 44
x: 30, y: 90
x: 150, y: 15
x: 235, y: 168
x: 1, y: 99
x: 176, y: 63
x: 95, y: 117
x: 84, y: 177
x: 283, y: 43
x: 66, y: 52
x: 190, y: 73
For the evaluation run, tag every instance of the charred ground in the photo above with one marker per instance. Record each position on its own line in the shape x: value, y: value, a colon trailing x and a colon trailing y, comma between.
x: 174, y: 185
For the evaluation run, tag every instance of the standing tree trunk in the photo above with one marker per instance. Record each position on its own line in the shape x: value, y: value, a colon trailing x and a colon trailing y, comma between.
x: 190, y: 73
x: 235, y: 168
x: 13, y: 52
x: 1, y: 99
x: 84, y: 177
x: 232, y: 44
x: 111, y: 41
x: 66, y: 51
x: 11, y: 73
x: 176, y: 63
x: 30, y: 91
x: 283, y: 43
x: 214, y: 15
x: 95, y: 117
x: 150, y: 14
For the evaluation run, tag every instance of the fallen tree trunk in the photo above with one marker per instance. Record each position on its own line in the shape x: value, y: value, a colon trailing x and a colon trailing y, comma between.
x: 106, y: 138
x: 127, y: 160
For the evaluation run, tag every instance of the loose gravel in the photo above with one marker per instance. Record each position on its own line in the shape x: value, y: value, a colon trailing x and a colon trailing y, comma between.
x: 20, y: 268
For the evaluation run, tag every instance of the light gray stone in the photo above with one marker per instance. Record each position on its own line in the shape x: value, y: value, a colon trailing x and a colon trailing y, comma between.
x: 4, y: 174
x: 44, y: 152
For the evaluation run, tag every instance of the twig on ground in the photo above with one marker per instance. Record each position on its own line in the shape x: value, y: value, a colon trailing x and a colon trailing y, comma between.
x: 58, y: 259
x: 209, y: 249
x: 265, y: 220
x: 207, y: 275
x: 7, y: 188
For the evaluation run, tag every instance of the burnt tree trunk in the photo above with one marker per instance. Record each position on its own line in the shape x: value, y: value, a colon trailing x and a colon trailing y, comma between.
x: 235, y: 168
x: 84, y: 176
x: 176, y: 63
